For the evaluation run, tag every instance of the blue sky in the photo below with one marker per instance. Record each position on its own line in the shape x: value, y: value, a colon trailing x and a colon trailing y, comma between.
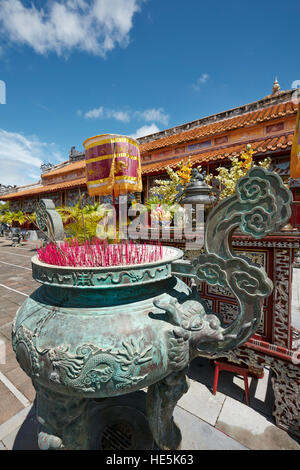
x: 76, y: 68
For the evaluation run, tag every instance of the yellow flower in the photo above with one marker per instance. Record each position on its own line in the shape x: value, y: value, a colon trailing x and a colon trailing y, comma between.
x: 239, y: 167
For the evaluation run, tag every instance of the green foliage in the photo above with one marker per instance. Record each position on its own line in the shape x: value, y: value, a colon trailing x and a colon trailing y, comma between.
x: 4, y: 207
x: 152, y: 201
x: 20, y: 217
x: 81, y: 223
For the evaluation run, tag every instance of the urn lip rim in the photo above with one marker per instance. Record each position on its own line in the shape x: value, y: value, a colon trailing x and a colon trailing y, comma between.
x: 175, y: 254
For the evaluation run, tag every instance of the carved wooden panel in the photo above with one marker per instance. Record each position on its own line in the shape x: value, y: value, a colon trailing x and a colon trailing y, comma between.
x: 282, y: 297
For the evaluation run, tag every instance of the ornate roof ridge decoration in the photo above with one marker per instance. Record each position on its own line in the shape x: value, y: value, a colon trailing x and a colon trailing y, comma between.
x: 17, y: 190
x: 46, y: 166
x: 4, y: 189
x: 54, y: 168
x: 276, y: 87
x: 66, y: 167
x: 75, y: 155
x: 281, y: 97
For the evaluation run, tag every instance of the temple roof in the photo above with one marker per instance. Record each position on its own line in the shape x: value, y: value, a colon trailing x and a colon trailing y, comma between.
x: 66, y: 167
x: 260, y: 147
x: 47, y: 188
x: 244, y: 120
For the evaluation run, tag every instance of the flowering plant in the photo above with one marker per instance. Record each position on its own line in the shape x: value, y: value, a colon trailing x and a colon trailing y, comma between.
x: 167, y: 189
x: 161, y: 211
x: 161, y: 214
x: 228, y: 177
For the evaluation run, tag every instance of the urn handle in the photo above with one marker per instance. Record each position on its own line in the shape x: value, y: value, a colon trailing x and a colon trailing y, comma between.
x: 260, y: 206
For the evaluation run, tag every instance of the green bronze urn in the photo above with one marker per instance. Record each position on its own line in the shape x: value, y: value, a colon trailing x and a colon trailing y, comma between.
x: 99, y: 332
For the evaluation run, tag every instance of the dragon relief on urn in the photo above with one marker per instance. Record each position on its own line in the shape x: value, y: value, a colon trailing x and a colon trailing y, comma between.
x: 88, y: 369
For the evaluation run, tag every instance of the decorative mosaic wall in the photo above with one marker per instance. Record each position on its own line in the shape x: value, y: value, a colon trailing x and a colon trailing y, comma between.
x: 29, y: 204
x: 86, y: 198
x: 15, y: 206
x: 72, y: 196
x: 55, y: 197
x: 120, y: 199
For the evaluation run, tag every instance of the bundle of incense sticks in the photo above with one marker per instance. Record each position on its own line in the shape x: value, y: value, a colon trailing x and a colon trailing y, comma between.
x: 97, y: 253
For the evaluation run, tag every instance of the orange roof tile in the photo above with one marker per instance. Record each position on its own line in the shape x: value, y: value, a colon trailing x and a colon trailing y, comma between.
x: 243, y: 120
x: 259, y: 146
x: 65, y: 169
x: 47, y: 188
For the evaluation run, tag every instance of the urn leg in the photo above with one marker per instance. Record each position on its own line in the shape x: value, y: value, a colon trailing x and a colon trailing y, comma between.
x: 162, y: 398
x: 64, y: 421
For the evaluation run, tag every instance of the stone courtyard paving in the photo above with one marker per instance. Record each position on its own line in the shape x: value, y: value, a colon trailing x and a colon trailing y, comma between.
x: 207, y: 422
x: 16, y: 283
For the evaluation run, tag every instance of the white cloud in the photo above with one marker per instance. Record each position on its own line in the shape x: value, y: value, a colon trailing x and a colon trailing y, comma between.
x: 100, y: 112
x: 21, y: 157
x: 149, y: 115
x: 200, y: 81
x: 145, y: 130
x: 122, y: 116
x: 94, y: 113
x: 156, y: 115
x: 95, y: 26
